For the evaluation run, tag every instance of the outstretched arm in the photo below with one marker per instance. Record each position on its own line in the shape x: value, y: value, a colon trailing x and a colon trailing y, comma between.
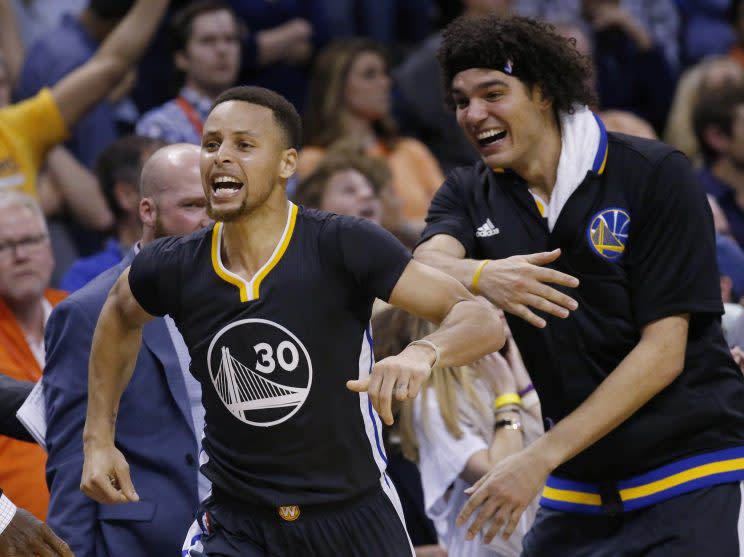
x: 515, y: 284
x: 468, y: 330
x: 116, y: 343
x: 78, y: 91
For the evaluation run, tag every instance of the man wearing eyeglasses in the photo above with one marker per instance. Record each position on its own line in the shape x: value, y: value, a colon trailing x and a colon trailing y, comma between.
x: 26, y: 263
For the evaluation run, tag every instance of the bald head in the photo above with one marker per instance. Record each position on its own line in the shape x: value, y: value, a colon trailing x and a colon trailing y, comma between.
x: 173, y: 202
x: 168, y: 167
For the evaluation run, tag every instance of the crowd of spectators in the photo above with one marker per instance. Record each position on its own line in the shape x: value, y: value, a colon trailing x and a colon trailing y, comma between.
x: 90, y: 89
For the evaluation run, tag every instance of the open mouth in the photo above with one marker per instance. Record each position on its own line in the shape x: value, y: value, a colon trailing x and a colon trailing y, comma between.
x: 489, y: 137
x: 226, y: 186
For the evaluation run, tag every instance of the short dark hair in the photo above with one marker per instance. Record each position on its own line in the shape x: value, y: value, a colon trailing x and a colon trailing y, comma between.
x: 122, y: 162
x: 182, y: 23
x: 528, y: 49
x: 284, y: 111
x: 341, y: 157
x: 110, y: 9
x: 716, y: 107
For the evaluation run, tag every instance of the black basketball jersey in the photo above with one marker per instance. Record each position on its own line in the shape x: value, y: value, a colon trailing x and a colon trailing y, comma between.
x: 273, y: 354
x: 638, y: 234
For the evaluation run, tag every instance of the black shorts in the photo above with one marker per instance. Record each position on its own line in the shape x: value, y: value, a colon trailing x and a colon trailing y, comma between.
x: 708, y: 522
x: 367, y: 526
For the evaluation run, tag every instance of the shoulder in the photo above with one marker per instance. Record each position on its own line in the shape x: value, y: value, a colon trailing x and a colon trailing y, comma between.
x: 174, y: 246
x: 639, y: 153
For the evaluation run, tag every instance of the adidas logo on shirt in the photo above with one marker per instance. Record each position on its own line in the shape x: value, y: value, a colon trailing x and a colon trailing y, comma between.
x: 486, y: 229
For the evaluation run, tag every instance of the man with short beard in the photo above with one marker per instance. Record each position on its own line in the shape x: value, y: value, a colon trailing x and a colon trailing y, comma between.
x: 163, y: 424
x: 274, y: 303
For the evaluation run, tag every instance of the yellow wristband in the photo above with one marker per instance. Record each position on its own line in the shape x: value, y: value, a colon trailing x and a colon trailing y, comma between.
x: 506, y: 399
x: 477, y: 274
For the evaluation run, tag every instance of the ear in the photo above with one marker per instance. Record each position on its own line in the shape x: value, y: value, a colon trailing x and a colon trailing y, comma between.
x: 545, y: 103
x: 148, y: 211
x: 716, y: 139
x: 288, y: 164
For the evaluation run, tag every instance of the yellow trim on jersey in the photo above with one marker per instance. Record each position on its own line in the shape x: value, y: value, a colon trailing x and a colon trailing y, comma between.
x: 278, y: 252
x: 249, y: 289
x: 217, y: 264
x: 569, y: 496
x: 682, y: 477
x: 604, y: 161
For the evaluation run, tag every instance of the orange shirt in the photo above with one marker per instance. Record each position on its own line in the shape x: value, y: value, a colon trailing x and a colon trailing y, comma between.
x: 22, y: 465
x: 416, y: 173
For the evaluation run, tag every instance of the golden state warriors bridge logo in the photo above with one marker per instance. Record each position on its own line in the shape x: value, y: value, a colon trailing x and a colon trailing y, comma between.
x: 260, y: 370
x: 608, y: 233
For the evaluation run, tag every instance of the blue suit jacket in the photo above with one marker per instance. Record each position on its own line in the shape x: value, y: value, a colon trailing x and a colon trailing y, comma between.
x: 154, y: 430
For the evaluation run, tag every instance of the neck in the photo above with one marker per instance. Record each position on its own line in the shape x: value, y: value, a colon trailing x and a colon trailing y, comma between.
x: 30, y: 316
x: 358, y: 128
x: 203, y: 90
x: 541, y: 166
x: 98, y: 28
x: 249, y: 242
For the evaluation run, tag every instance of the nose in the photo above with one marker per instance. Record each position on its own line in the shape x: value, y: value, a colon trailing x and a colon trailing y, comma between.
x: 475, y: 112
x: 224, y: 154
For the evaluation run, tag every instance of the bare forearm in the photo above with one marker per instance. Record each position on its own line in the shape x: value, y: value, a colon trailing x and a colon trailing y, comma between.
x: 112, y: 359
x: 644, y: 372
x: 78, y: 91
x: 460, y: 269
x: 471, y: 329
x: 79, y: 189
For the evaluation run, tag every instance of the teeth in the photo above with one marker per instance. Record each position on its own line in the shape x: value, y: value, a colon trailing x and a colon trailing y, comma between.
x: 488, y: 133
x: 226, y: 179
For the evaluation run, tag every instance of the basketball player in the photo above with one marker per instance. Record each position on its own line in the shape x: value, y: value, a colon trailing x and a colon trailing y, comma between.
x: 647, y: 453
x: 274, y: 302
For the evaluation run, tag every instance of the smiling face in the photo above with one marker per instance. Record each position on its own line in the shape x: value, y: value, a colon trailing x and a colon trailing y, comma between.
x: 349, y: 193
x: 244, y: 159
x: 500, y: 116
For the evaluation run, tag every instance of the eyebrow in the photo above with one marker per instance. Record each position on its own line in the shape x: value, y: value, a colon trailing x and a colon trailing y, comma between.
x: 481, y: 86
x: 228, y: 132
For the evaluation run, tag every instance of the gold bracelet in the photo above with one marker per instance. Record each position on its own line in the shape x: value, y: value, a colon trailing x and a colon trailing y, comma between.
x: 477, y: 274
x: 506, y: 399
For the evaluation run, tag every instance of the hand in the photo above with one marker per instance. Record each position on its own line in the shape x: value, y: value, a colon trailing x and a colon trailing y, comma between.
x: 106, y: 476
x: 738, y: 355
x: 402, y: 374
x: 516, y: 283
x: 27, y: 536
x: 503, y: 494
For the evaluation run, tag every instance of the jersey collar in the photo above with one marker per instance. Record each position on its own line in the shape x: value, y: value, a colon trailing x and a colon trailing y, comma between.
x: 249, y: 289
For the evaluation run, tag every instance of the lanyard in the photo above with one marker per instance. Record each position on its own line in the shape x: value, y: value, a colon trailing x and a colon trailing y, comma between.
x: 191, y: 114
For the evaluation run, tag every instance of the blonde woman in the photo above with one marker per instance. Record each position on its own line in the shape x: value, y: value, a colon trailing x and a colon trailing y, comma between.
x: 455, y: 434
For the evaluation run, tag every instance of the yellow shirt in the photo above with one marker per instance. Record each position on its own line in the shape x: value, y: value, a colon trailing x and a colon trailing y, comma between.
x: 28, y: 130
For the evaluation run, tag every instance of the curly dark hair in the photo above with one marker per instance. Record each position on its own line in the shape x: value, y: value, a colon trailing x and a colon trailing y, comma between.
x: 528, y: 49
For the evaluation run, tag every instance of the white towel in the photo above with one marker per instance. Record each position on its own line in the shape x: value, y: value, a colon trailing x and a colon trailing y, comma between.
x: 580, y: 138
